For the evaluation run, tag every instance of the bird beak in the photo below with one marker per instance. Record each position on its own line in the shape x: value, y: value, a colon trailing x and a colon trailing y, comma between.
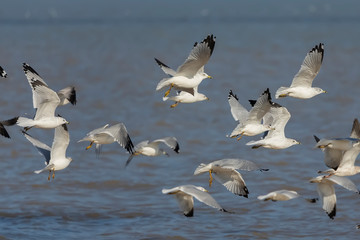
x: 67, y: 122
x: 207, y: 98
x: 210, y: 77
x: 324, y: 91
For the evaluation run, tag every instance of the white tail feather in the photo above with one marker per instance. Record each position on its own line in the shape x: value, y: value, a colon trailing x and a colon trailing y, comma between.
x: 25, y: 122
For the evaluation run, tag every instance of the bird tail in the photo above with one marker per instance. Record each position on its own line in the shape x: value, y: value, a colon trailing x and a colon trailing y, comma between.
x: 162, y: 84
x: 25, y: 122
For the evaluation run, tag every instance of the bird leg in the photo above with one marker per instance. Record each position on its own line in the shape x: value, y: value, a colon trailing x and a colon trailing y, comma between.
x: 168, y: 91
x: 211, y: 178
x: 53, y: 176
x: 91, y: 143
x: 240, y: 136
x: 26, y: 128
x: 174, y: 105
x: 49, y: 175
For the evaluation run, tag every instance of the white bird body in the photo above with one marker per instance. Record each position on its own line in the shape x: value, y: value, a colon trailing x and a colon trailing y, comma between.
x: 275, y: 138
x: 184, y: 195
x: 153, y: 149
x: 249, y: 122
x: 107, y: 135
x: 279, y: 195
x: 326, y: 191
x: 191, y: 73
x: 56, y: 155
x: 46, y: 122
x: 224, y: 171
x: 301, y: 86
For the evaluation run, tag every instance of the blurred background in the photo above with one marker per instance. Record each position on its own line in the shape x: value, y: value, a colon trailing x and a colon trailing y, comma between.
x: 106, y: 50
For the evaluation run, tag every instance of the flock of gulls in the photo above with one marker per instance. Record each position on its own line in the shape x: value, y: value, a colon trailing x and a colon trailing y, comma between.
x: 265, y: 117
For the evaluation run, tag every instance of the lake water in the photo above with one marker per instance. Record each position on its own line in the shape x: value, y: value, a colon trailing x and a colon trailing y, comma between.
x: 106, y: 49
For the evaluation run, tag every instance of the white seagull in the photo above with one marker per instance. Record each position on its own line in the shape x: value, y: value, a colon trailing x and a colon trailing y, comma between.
x: 249, y: 122
x: 45, y: 100
x: 181, y: 96
x: 107, y: 135
x: 184, y: 195
x: 279, y: 195
x: 275, y: 139
x: 340, y: 155
x: 56, y: 155
x: 326, y: 191
x: 191, y: 73
x: 152, y: 149
x: 9, y: 122
x: 2, y: 73
x: 224, y: 172
x: 301, y: 86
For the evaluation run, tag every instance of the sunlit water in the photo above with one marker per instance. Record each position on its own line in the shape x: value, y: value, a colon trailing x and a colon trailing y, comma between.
x: 109, y: 59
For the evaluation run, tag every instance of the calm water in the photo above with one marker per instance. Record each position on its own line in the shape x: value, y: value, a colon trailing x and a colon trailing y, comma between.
x: 106, y: 50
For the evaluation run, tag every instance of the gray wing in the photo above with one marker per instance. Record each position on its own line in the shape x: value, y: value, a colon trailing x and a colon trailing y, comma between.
x: 33, y: 76
x: 67, y: 95
x: 2, y: 72
x: 344, y: 182
x: 120, y: 134
x: 234, y: 163
x: 261, y: 107
x: 349, y: 157
x: 165, y: 68
x: 90, y: 135
x: 326, y: 192
x: 170, y: 142
x: 41, y: 147
x: 232, y: 180
x: 238, y: 112
x: 280, y: 117
x: 310, y: 67
x: 200, y: 195
x: 197, y: 58
x: 61, y: 142
x: 355, y: 131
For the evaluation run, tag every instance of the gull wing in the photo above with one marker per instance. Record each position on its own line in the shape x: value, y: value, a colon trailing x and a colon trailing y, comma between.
x: 326, y: 193
x: 120, y: 134
x: 280, y: 116
x: 33, y: 76
x: 310, y: 67
x: 231, y: 179
x: 198, y: 57
x: 200, y: 195
x: 67, y: 95
x: 41, y: 147
x: 165, y: 68
x: 170, y: 142
x: 279, y: 195
x: 344, y: 182
x: 61, y: 142
x: 238, y: 112
x: 261, y: 107
x: 9, y: 122
x: 2, y: 72
x: 355, y: 131
x: 234, y: 163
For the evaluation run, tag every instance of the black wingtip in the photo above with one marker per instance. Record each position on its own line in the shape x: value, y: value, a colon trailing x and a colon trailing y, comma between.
x: 264, y: 169
x: 332, y: 214
x: 231, y: 94
x: 252, y: 102
x: 316, y: 138
x: 320, y: 49
x: 10, y: 122
x: 177, y: 148
x: 72, y: 98
x: 161, y: 64
x: 3, y: 131
x: 28, y: 68
x: 3, y: 73
x: 190, y: 213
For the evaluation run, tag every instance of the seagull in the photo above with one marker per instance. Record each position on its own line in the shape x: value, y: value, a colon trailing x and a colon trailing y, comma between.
x: 184, y: 195
x: 340, y: 155
x: 185, y: 97
x: 3, y: 73
x: 152, y: 149
x: 66, y: 95
x: 301, y: 86
x: 9, y: 122
x: 45, y: 100
x: 56, y: 155
x: 275, y: 139
x: 334, y: 150
x: 326, y: 191
x: 249, y: 122
x: 279, y: 195
x: 224, y: 171
x: 108, y: 135
x: 191, y: 73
